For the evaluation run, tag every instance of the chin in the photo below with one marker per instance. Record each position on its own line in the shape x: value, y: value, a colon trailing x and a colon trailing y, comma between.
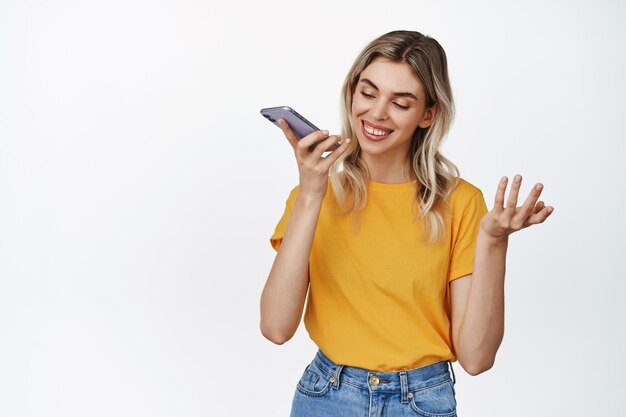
x: 369, y: 148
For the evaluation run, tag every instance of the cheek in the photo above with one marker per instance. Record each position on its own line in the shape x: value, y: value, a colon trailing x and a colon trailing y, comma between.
x: 408, y: 122
x: 359, y: 105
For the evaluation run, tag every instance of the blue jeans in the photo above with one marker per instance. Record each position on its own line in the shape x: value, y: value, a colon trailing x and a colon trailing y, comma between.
x: 330, y: 390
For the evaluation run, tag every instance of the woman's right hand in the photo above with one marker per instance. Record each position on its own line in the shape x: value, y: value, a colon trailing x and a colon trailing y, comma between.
x: 312, y: 167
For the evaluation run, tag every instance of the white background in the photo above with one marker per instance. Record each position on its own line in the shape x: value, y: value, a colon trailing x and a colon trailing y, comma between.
x: 139, y: 186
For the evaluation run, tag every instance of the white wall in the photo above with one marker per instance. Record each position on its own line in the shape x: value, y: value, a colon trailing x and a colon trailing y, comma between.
x: 139, y: 186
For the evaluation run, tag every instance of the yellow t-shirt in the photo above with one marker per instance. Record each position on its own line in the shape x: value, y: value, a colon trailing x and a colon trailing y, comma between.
x: 378, y: 297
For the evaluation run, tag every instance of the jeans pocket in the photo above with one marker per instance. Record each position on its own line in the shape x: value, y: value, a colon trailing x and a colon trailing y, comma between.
x: 313, y: 382
x: 435, y: 401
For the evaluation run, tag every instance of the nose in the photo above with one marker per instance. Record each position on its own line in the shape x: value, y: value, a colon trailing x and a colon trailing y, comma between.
x: 379, y: 110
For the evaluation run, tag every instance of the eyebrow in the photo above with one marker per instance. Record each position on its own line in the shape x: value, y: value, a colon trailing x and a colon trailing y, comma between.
x: 404, y: 94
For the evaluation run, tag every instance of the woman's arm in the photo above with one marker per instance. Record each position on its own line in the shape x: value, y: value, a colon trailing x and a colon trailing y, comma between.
x: 478, y: 299
x: 282, y: 300
x: 478, y: 307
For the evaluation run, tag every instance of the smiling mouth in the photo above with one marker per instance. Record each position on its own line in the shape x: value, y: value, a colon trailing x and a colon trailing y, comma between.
x: 374, y: 133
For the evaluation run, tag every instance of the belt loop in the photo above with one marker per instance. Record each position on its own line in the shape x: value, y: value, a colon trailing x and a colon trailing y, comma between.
x: 404, y: 388
x: 336, y: 376
x: 453, y: 376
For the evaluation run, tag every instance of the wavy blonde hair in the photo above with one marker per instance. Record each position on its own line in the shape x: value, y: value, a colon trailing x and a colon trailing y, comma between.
x: 436, y: 175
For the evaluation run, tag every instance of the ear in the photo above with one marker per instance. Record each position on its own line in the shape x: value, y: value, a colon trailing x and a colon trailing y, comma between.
x: 429, y: 116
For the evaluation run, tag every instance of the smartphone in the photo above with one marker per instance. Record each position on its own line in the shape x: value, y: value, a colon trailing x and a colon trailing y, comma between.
x: 299, y: 125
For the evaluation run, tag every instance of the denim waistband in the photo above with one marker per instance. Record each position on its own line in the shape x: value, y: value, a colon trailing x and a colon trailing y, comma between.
x: 404, y: 381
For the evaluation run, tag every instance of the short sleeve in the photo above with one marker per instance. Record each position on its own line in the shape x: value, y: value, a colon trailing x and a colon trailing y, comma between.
x: 465, y: 232
x: 277, y: 238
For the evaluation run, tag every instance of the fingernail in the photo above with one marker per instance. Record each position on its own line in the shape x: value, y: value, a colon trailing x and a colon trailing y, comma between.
x: 550, y: 209
x: 503, y: 179
x: 347, y: 140
x: 538, y: 187
x: 325, y: 132
x: 518, y: 178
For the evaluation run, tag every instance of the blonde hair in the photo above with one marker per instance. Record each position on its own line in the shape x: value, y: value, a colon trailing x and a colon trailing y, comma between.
x: 436, y: 175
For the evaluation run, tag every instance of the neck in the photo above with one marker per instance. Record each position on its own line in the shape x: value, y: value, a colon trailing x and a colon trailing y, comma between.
x: 393, y: 170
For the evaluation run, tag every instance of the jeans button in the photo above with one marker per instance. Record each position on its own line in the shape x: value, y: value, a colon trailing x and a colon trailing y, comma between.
x: 374, y: 380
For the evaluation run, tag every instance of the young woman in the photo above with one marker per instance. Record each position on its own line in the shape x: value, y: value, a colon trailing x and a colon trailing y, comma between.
x: 403, y: 263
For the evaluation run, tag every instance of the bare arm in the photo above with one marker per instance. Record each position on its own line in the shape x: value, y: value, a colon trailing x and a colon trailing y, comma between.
x: 478, y: 299
x: 282, y: 300
x: 480, y: 319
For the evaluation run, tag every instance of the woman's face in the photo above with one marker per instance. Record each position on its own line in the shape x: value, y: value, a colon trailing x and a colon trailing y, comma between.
x: 388, y: 104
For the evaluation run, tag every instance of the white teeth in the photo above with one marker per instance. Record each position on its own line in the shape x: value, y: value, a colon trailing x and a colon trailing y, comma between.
x: 373, y: 131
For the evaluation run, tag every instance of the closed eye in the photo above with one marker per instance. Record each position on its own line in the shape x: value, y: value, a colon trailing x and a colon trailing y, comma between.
x: 400, y: 106
x: 364, y: 94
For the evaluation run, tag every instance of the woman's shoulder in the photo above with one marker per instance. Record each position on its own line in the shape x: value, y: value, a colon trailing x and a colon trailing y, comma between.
x: 465, y: 187
x: 463, y: 193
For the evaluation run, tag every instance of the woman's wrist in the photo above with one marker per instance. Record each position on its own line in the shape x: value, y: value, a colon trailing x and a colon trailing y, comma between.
x: 495, y: 241
x: 310, y: 199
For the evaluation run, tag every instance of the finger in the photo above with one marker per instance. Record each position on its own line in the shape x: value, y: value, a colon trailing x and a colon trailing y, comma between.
x: 511, y: 202
x: 291, y: 137
x: 499, y: 200
x: 531, y: 200
x: 334, y: 155
x: 538, y: 207
x: 307, y: 142
x: 326, y: 145
x: 540, y: 217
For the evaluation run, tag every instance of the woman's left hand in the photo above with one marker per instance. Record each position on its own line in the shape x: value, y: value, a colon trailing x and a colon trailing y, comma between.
x: 502, y: 220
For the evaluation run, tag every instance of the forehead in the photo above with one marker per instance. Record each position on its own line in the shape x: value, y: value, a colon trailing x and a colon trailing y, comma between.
x: 392, y: 76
